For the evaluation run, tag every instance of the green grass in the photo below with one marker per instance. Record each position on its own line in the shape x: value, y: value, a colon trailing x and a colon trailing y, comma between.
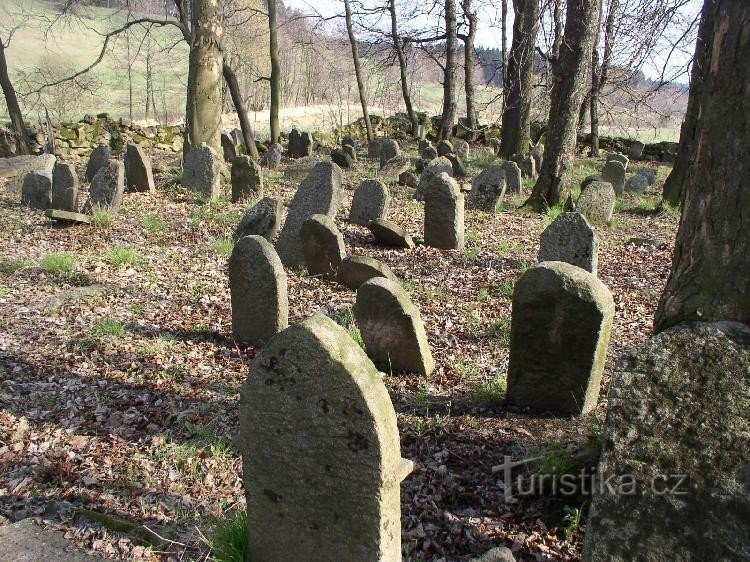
x: 505, y: 289
x: 153, y: 223
x: 158, y: 346
x: 347, y: 321
x: 553, y: 213
x: 124, y: 255
x: 102, y: 217
x: 555, y: 462
x: 483, y: 295
x: 8, y: 266
x: 500, y: 329
x: 504, y: 248
x: 465, y: 368
x: 59, y: 264
x: 109, y: 327
x: 223, y: 246
x: 4, y: 291
x: 490, y: 393
x: 421, y: 396
x: 228, y: 538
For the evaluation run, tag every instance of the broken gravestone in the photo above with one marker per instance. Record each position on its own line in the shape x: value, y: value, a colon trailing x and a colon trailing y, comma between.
x: 341, y: 158
x: 67, y: 216
x: 258, y: 287
x: 65, y: 188
x: 107, y: 188
x: 389, y: 233
x: 138, y: 169
x: 597, y: 202
x: 488, y: 189
x: 561, y: 321
x: 300, y: 145
x: 443, y: 214
x: 614, y: 173
x: 618, y: 157
x: 392, y: 328
x: 371, y: 200
x: 571, y: 239
x: 636, y: 150
x: 314, y: 403
x: 247, y: 180
x: 322, y: 245
x: 202, y: 171
x: 99, y: 158
x: 355, y: 270
x: 263, y: 219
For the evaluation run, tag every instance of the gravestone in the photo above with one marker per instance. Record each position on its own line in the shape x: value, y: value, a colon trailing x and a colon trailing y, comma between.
x: 99, y: 158
x: 673, y: 481
x: 494, y: 144
x: 434, y: 168
x: 597, y: 202
x: 590, y: 179
x: 570, y: 239
x: 512, y: 178
x: 319, y: 193
x: 389, y: 233
x: 392, y: 169
x: 636, y: 150
x: 488, y: 189
x: 272, y: 156
x: 637, y: 183
x: 443, y: 214
x: 428, y: 152
x: 350, y: 150
x: 65, y: 188
x: 228, y: 147
x: 462, y: 149
x: 355, y: 270
x: 36, y: 191
x: 349, y: 140
x: 372, y: 200
x: 373, y: 148
x: 444, y: 148
x: 526, y: 164
x: 202, y: 171
x: 618, y: 157
x: 537, y: 153
x: 107, y: 188
x: 392, y: 328
x: 138, y: 169
x: 649, y: 174
x: 321, y: 453
x: 341, y: 158
x: 258, y: 287
x: 322, y: 245
x: 459, y: 169
x: 561, y: 321
x: 238, y: 140
x: 25, y: 541
x: 388, y: 149
x: 247, y: 180
x: 300, y: 145
x: 263, y: 219
x: 614, y: 173
x: 67, y: 216
x: 408, y: 179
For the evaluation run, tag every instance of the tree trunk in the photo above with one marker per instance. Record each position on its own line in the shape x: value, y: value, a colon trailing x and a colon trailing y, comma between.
x: 504, y: 43
x: 515, y: 132
x: 203, y: 112
x: 449, y: 73
x: 710, y: 279
x: 402, y: 65
x: 569, y: 72
x: 248, y: 135
x: 599, y: 76
x: 273, y: 33
x: 471, y: 18
x: 11, y: 100
x: 358, y: 70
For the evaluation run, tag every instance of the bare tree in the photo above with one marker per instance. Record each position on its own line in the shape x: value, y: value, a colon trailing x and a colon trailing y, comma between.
x: 402, y: 65
x: 358, y: 69
x: 275, y: 79
x: 449, y: 74
x: 469, y: 61
x: 11, y: 100
x: 600, y: 74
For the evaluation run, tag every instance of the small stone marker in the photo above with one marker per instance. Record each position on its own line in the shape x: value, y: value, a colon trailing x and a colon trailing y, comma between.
x: 202, y: 169
x: 350, y: 150
x: 649, y: 174
x: 597, y: 202
x: 614, y: 173
x: 258, y: 286
x: 672, y: 482
x: 355, y: 270
x: 341, y: 158
x: 36, y: 191
x: 67, y: 216
x: 372, y: 200
x: 428, y: 152
x: 494, y: 144
x: 99, y: 158
x: 138, y: 169
x: 389, y: 233
x: 444, y: 214
x: 349, y: 140
x: 488, y: 189
x: 247, y: 180
x: 561, y: 322
x: 392, y: 169
x: 319, y: 193
x: 373, y: 148
x: 637, y: 183
x: 272, y: 156
x: 65, y: 188
x: 526, y: 164
x: 408, y: 178
x: 388, y: 149
x: 618, y: 157
x: 636, y: 150
x: 315, y: 405
x: 322, y: 245
x: 459, y: 169
x: 263, y: 219
x: 537, y: 153
x: 107, y: 188
x: 434, y: 168
x: 462, y: 149
x: 512, y: 178
x: 570, y: 239
x: 238, y: 140
x: 444, y: 148
x: 228, y: 147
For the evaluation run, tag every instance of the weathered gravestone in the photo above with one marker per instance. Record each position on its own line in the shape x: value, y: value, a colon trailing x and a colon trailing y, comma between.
x: 238, y: 140
x: 434, y: 168
x: 649, y: 174
x: 408, y: 178
x: 537, y: 153
x: 392, y: 169
x: 322, y: 245
x: 618, y: 157
x: 318, y: 194
x: 636, y: 150
x: 350, y: 150
x: 247, y: 180
x: 67, y: 216
x: 388, y: 149
x: 228, y: 147
x: 462, y: 149
x: 512, y: 178
x: 272, y: 156
x: 138, y: 169
x: 571, y: 239
x: 373, y: 148
x: 637, y: 183
x: 614, y: 173
x: 597, y: 201
x: 372, y: 200
x: 428, y: 152
x: 459, y: 169
x: 36, y: 191
x: 526, y: 164
x: 321, y: 455
x: 65, y: 188
x: 300, y: 145
x: 341, y: 158
x: 263, y: 219
x: 355, y: 270
x: 389, y: 233
x: 99, y: 158
x: 488, y: 189
x: 391, y: 328
x: 494, y: 144
x: 107, y: 188
x: 258, y: 286
x: 590, y: 179
x: 201, y: 171
x: 561, y: 322
x: 444, y: 148
x: 444, y: 214
x: 349, y: 140
x: 673, y: 480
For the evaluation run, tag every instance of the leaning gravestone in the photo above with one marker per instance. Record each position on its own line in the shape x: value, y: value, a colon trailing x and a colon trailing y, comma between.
x: 36, y: 191
x: 258, y: 286
x: 434, y: 168
x: 428, y: 152
x: 512, y: 177
x: 373, y: 148
x: 349, y: 140
x: 388, y: 149
x: 263, y: 219
x: 319, y: 193
x: 350, y: 150
x: 228, y: 147
x: 272, y: 156
x: 673, y: 480
x: 561, y: 322
x: 107, y: 188
x: 459, y: 169
x: 320, y: 449
x: 389, y: 233
x: 372, y: 200
x: 247, y: 180
x: 138, y: 169
x: 443, y: 214
x: 356, y: 270
x: 570, y: 239
x: 488, y: 189
x: 614, y: 173
x: 597, y: 202
x: 462, y: 149
x: 322, y: 245
x: 99, y: 158
x: 65, y: 188
x: 391, y: 328
x: 494, y: 144
x: 202, y: 169
x: 392, y: 169
x: 341, y: 158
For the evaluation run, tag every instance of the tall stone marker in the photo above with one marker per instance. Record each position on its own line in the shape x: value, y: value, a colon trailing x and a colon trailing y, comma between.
x: 258, y: 286
x: 201, y: 171
x: 322, y: 245
x: 561, y: 322
x: 320, y: 449
x: 614, y: 173
x: 98, y: 158
x: 36, y: 191
x: 444, y: 214
x: 318, y: 194
x: 673, y: 476
x: 433, y: 169
x: 391, y: 328
x: 65, y: 188
x: 597, y: 202
x: 138, y: 171
x: 513, y: 177
x: 107, y: 188
x: 388, y: 149
x: 571, y: 239
x: 488, y: 189
x: 247, y: 180
x: 371, y: 201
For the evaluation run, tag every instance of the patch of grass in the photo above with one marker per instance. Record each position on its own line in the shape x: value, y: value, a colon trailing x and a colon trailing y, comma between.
x: 102, y: 217
x: 438, y: 292
x: 8, y: 267
x: 4, y: 291
x: 155, y: 347
x: 183, y: 457
x: 505, y: 248
x: 347, y: 321
x: 228, y: 538
x: 124, y: 255
x: 490, y: 393
x: 108, y: 327
x: 421, y: 396
x: 595, y: 433
x: 471, y: 254
x: 673, y: 210
x: 553, y: 213
x: 465, y: 368
x: 555, y: 462
x: 572, y: 521
x: 153, y: 223
x: 483, y: 295
x: 59, y: 264
x: 646, y: 205
x: 500, y: 329
x: 223, y: 245
x: 505, y: 289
